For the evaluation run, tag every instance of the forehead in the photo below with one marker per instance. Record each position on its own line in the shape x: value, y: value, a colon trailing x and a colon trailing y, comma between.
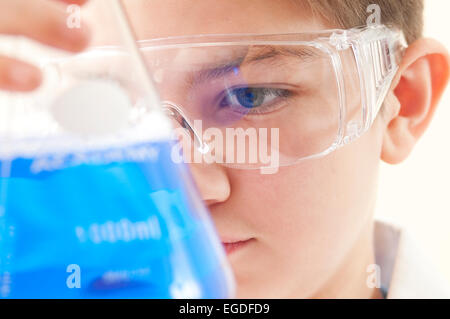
x: 163, y: 18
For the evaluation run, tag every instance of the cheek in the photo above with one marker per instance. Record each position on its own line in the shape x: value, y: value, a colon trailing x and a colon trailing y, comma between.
x: 319, y: 194
x: 309, y: 215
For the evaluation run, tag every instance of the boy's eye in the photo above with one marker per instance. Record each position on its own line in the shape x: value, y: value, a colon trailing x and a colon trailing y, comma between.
x: 248, y: 99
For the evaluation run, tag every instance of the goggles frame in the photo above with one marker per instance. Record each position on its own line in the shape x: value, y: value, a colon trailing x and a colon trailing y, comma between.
x: 376, y: 49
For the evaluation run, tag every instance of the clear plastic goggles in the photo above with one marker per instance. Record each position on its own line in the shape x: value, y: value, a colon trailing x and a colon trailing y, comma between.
x: 260, y: 101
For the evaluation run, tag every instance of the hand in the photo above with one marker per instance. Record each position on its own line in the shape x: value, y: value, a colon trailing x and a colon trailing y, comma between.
x: 40, y: 20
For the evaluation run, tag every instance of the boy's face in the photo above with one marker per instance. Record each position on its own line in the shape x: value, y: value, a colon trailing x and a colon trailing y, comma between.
x: 308, y: 221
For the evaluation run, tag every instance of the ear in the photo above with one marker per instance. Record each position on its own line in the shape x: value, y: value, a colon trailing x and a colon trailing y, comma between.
x: 420, y: 81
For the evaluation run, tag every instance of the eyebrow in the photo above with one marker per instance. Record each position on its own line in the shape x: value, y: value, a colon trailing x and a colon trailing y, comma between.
x: 268, y: 52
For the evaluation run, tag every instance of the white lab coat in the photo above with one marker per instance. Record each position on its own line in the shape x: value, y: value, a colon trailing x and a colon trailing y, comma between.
x: 404, y: 270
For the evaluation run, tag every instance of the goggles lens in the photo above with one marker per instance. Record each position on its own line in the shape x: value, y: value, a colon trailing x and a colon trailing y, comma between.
x: 248, y: 103
x: 253, y: 104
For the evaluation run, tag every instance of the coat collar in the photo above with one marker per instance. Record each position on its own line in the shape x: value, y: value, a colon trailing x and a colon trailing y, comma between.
x: 404, y: 270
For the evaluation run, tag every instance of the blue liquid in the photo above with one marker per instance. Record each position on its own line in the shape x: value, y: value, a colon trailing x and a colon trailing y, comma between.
x: 110, y: 224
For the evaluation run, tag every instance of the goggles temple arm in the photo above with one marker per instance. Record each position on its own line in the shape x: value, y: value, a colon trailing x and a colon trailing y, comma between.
x: 378, y: 51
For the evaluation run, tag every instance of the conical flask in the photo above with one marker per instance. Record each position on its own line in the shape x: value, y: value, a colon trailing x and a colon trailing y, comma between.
x: 92, y: 204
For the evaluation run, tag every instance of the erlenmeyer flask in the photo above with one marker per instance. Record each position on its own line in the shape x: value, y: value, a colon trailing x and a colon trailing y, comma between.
x: 91, y: 203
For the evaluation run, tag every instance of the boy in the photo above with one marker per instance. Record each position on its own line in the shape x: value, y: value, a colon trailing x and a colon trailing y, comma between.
x: 306, y: 231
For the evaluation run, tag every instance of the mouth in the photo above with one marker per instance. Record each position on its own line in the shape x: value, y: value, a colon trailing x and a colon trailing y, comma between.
x: 231, y: 246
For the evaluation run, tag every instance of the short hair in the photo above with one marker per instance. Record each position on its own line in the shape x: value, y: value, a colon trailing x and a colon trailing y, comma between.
x: 407, y: 15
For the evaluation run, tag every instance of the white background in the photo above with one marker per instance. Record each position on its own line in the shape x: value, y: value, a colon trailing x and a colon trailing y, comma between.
x: 416, y: 193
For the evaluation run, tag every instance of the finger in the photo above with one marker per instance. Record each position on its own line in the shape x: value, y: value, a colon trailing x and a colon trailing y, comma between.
x: 16, y: 75
x: 78, y: 2
x: 44, y: 21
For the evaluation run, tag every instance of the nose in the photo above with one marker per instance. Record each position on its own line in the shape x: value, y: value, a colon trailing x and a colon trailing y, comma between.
x: 212, y: 182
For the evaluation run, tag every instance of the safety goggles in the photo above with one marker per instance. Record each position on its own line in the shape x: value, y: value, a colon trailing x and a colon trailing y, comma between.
x: 260, y: 101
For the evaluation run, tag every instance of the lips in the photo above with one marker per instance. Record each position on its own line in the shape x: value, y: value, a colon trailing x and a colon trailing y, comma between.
x: 231, y: 246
